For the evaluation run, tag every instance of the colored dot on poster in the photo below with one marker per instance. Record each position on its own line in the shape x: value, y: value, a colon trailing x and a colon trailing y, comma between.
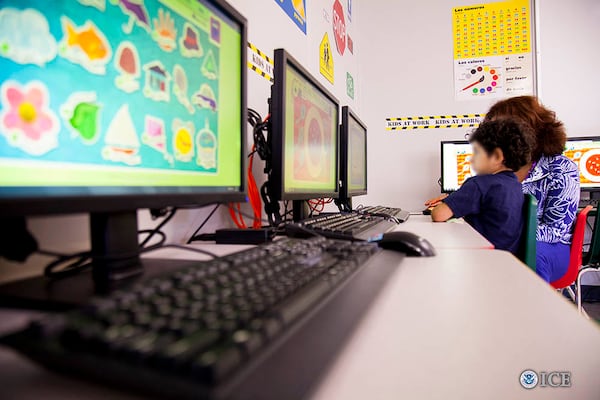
x: 489, y: 88
x: 493, y: 83
x: 482, y: 90
x: 495, y: 77
x: 475, y: 90
x: 473, y: 71
x: 479, y: 69
x: 492, y: 71
x: 486, y: 68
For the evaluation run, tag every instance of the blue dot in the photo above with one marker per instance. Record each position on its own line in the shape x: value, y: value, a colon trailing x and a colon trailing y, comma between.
x: 482, y: 90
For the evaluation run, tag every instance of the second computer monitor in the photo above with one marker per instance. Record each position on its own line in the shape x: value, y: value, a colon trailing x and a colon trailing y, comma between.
x: 585, y: 151
x: 353, y: 155
x: 304, y: 140
x: 456, y: 164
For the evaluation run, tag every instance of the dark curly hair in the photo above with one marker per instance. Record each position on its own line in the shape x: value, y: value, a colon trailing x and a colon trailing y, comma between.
x: 549, y: 133
x: 512, y: 137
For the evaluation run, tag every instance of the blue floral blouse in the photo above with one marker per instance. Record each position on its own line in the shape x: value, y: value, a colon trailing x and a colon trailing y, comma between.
x: 554, y: 181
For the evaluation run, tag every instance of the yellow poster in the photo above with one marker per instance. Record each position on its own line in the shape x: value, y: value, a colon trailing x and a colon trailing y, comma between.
x: 326, y: 59
x: 492, y: 50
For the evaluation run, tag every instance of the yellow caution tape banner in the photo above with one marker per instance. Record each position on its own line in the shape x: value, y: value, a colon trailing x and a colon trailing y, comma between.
x: 260, y: 63
x: 434, y: 122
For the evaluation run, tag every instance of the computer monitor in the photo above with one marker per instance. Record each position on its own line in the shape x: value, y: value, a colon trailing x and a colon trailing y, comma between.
x: 353, y: 155
x: 304, y: 134
x: 107, y: 107
x: 456, y: 164
x: 585, y: 152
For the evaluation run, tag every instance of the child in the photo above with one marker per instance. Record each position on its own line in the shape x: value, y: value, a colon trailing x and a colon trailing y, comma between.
x: 492, y: 201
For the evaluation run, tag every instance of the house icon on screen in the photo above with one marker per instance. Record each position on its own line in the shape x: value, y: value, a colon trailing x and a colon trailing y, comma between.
x: 157, y: 81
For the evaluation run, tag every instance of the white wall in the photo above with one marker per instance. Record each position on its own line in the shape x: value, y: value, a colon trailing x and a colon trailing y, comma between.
x: 407, y: 70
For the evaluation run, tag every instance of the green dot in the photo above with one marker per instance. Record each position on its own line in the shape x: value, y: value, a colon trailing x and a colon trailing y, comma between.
x: 475, y: 90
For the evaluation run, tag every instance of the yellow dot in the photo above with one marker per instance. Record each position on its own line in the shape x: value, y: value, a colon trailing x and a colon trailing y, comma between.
x: 27, y: 112
x: 486, y: 69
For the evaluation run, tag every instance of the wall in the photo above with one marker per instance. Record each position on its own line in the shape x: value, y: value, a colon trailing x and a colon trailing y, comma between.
x: 269, y: 28
x: 408, y: 71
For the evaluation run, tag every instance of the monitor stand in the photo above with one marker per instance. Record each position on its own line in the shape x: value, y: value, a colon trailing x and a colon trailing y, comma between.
x: 299, y: 210
x: 116, y: 263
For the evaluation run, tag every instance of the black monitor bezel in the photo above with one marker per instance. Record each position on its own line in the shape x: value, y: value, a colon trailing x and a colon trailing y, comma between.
x: 66, y: 203
x: 579, y: 138
x: 347, y: 113
x: 281, y: 59
x: 442, y: 143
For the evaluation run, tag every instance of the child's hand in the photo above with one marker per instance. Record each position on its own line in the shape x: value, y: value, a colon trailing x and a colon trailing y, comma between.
x: 435, y: 201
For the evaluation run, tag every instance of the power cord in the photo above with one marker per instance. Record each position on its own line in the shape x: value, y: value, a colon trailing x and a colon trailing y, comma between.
x: 194, y: 237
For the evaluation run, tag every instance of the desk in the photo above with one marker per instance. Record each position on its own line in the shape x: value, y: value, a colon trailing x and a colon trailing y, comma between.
x: 462, y: 325
x: 455, y: 234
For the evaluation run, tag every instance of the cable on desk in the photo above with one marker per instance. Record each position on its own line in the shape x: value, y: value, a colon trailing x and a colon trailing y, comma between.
x: 193, y: 237
x: 187, y: 248
x: 82, y: 259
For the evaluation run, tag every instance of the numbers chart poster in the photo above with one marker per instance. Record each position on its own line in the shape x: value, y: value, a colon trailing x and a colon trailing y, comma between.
x: 110, y: 84
x: 493, y: 55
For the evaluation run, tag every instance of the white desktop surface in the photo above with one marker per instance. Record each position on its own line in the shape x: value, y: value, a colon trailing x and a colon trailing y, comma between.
x: 461, y: 325
x: 454, y: 234
x: 464, y: 325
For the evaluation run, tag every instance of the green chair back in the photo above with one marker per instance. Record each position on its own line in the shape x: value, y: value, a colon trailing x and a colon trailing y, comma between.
x: 528, y: 242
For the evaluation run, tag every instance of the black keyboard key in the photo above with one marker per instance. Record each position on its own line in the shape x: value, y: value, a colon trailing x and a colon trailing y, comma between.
x: 215, y: 364
x: 301, y: 302
x: 178, y: 352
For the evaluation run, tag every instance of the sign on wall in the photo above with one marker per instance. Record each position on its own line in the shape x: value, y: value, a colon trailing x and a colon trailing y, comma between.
x: 326, y: 58
x: 296, y: 10
x: 339, y: 27
x: 434, y: 122
x: 259, y: 62
x: 493, y: 55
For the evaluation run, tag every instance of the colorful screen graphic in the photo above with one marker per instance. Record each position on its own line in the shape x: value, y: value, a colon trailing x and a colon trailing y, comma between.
x: 357, y: 157
x: 119, y: 93
x: 311, y: 122
x: 456, y: 165
x: 586, y: 154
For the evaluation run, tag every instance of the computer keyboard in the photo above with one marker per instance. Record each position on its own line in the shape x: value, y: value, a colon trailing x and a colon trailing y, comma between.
x: 588, y: 202
x: 383, y: 211
x: 353, y: 226
x: 263, y: 323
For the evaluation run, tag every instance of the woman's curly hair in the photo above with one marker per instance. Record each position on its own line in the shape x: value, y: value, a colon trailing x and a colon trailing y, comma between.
x: 511, y: 136
x: 549, y: 133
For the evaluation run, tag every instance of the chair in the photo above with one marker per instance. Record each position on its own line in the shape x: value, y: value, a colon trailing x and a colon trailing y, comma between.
x: 527, y: 251
x: 575, y: 259
x: 592, y: 261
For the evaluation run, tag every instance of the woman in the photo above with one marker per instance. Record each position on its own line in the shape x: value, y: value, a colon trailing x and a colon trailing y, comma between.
x: 551, y: 177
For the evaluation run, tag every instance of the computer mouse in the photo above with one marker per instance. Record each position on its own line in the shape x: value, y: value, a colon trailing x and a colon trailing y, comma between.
x: 409, y: 243
x: 427, y: 211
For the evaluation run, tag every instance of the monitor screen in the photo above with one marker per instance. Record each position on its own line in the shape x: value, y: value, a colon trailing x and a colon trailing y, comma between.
x: 135, y: 103
x: 585, y: 152
x: 305, y: 129
x: 456, y: 164
x: 353, y: 152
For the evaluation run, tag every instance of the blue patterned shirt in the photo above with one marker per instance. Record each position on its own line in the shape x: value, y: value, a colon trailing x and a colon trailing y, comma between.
x: 554, y: 181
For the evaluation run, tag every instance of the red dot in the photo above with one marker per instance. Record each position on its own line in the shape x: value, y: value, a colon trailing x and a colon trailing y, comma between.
x: 479, y: 68
x: 495, y: 77
x: 492, y: 71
